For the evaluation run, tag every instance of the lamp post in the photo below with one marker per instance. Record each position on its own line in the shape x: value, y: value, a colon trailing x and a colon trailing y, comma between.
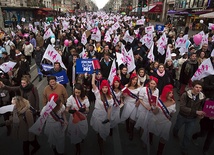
x: 1, y: 18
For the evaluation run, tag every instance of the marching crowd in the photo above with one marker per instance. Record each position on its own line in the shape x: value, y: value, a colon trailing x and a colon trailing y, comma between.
x: 138, y: 91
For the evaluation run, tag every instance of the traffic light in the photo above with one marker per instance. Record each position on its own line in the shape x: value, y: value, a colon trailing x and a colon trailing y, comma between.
x: 140, y: 3
x: 144, y: 3
x: 78, y: 5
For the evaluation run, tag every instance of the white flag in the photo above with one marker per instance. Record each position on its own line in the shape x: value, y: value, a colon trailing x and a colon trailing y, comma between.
x: 149, y: 29
x: 36, y: 128
x: 107, y: 37
x: 205, y: 69
x: 7, y: 66
x: 130, y: 61
x: 19, y: 27
x: 48, y: 34
x: 112, y: 73
x: 162, y: 43
x: 120, y: 59
x: 204, y: 39
x: 98, y: 35
x: 116, y: 39
x: 83, y: 54
x: 127, y: 37
x: 65, y: 25
x: 168, y: 54
x: 84, y: 38
x: 181, y: 42
x: 52, y: 55
x: 151, y: 54
x: 140, y: 22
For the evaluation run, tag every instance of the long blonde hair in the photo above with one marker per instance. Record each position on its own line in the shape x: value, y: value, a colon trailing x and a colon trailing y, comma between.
x: 21, y: 103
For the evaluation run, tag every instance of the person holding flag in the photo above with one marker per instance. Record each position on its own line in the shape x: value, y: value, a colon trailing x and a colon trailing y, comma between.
x: 131, y: 102
x: 118, y: 103
x: 56, y: 124
x: 102, y: 112
x: 78, y: 106
x: 160, y: 123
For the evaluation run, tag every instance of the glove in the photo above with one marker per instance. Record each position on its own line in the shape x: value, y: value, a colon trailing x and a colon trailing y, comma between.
x: 2, y: 124
x: 105, y: 121
x: 82, y: 110
x: 72, y: 111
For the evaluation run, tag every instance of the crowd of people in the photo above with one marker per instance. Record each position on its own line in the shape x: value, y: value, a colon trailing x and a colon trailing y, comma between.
x: 142, y: 98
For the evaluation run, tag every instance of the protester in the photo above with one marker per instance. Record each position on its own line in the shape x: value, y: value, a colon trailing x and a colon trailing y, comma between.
x: 190, y: 108
x: 21, y: 121
x: 54, y: 87
x: 55, y: 125
x: 102, y: 112
x: 78, y: 106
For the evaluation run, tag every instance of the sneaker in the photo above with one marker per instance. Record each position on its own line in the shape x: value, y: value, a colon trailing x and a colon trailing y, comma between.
x: 194, y: 141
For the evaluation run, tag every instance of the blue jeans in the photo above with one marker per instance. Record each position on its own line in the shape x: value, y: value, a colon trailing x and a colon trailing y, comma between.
x: 39, y: 71
x: 189, y: 127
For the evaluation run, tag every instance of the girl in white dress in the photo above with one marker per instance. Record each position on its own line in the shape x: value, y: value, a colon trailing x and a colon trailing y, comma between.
x: 118, y: 103
x: 161, y: 123
x: 102, y: 112
x: 78, y: 105
x: 148, y: 98
x: 131, y: 103
x: 55, y: 125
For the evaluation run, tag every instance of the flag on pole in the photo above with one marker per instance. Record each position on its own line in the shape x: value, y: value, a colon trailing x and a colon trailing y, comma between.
x: 84, y: 38
x: 168, y: 54
x: 52, y: 55
x: 205, y: 69
x: 130, y: 61
x: 112, y: 73
x: 48, y: 34
x: 151, y: 54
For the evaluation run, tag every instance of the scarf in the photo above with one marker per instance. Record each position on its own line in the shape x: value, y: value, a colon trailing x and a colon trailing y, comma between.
x: 141, y: 80
x: 160, y: 74
x: 188, y: 66
x: 26, y: 89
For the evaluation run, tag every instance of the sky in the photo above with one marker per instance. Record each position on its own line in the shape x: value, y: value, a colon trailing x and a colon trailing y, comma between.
x: 100, y: 3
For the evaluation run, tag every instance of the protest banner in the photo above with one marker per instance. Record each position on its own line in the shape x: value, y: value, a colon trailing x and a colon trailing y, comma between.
x: 209, y: 108
x: 84, y: 66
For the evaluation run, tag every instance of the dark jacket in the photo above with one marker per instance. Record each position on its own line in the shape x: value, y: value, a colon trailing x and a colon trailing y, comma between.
x: 189, y: 106
x: 208, y: 87
x: 38, y: 54
x: 105, y: 68
x: 187, y: 72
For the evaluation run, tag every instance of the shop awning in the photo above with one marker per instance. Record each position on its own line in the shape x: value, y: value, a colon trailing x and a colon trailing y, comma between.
x: 151, y: 9
x: 207, y: 15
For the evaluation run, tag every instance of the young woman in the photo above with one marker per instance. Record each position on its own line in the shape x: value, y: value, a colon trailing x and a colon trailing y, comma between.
x: 21, y: 121
x: 131, y: 103
x: 27, y: 90
x: 148, y: 105
x: 118, y: 103
x: 143, y: 78
x: 78, y: 105
x: 102, y: 112
x: 160, y: 123
x: 55, y: 125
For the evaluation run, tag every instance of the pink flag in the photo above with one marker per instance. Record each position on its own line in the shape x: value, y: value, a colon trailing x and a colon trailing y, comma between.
x: 112, y: 73
x: 116, y: 39
x: 140, y: 22
x: 52, y: 55
x: 168, y: 54
x: 84, y: 38
x: 83, y: 54
x: 130, y: 61
x: 7, y: 66
x: 205, y: 69
x: 150, y: 54
x: 48, y: 34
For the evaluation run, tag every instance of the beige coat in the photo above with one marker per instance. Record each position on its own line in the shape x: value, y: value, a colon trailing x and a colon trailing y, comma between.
x: 20, y: 131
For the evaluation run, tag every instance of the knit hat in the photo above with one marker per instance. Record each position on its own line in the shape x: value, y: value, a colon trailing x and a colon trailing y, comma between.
x: 153, y: 78
x: 105, y: 83
x: 116, y: 78
x: 133, y: 75
x: 56, y: 97
x: 166, y: 90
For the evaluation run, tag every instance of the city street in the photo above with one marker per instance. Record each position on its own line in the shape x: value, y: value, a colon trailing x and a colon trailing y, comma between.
x: 118, y: 144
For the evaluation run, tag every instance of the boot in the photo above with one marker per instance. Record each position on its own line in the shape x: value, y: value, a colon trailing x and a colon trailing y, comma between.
x: 160, y: 148
x: 78, y: 151
x: 111, y: 132
x: 127, y: 126
x: 131, y: 127
x: 151, y: 138
x: 100, y: 142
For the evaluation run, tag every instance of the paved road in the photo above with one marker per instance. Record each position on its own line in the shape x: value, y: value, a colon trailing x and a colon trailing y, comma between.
x: 117, y: 144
